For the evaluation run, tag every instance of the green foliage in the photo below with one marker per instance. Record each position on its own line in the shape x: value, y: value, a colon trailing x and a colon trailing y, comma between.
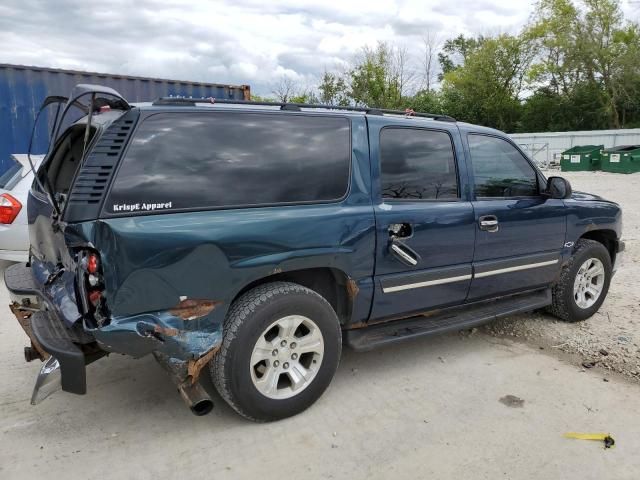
x: 548, y: 110
x: 377, y: 78
x: 333, y: 90
x: 590, y: 57
x: 555, y: 33
x: 455, y: 52
x: 575, y: 66
x: 571, y: 68
x: 486, y: 88
x: 426, y: 101
x: 258, y: 98
x: 304, y: 97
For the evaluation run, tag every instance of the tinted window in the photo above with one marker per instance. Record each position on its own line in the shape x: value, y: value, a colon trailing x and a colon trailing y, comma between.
x: 417, y: 164
x: 193, y: 160
x: 12, y: 167
x: 500, y: 170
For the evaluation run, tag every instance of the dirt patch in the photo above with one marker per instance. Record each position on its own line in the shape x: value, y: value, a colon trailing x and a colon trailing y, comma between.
x: 512, y: 401
x: 611, y: 338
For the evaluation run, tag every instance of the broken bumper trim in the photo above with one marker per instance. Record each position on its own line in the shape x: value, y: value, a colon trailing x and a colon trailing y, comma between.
x: 48, y: 334
x: 187, y: 332
x: 54, y: 339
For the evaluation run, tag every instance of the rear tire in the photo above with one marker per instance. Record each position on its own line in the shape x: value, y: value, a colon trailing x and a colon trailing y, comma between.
x: 281, y: 347
x: 579, y: 293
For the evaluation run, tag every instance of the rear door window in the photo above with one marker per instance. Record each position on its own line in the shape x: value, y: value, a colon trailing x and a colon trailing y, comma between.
x: 212, y: 160
x: 417, y: 164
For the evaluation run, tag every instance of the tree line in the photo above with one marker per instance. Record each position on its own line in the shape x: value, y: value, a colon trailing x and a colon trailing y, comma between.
x: 573, y: 66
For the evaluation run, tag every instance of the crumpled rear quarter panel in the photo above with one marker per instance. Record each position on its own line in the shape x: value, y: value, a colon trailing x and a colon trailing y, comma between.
x: 151, y: 263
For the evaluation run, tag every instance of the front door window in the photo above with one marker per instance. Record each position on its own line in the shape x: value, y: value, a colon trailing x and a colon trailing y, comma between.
x: 500, y: 170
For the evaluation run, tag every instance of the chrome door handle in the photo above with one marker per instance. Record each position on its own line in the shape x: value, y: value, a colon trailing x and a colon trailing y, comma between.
x: 404, y: 253
x: 489, y: 223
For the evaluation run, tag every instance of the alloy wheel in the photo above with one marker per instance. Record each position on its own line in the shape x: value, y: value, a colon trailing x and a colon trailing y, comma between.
x: 589, y: 283
x: 287, y: 357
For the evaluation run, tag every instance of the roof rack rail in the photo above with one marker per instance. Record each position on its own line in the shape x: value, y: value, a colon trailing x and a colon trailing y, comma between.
x: 296, y: 107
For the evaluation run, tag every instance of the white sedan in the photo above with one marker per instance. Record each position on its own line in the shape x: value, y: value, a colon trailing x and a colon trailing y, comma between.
x: 14, y: 190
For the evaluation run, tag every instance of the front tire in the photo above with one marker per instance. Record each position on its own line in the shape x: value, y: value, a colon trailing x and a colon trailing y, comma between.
x: 281, y: 347
x: 583, y: 283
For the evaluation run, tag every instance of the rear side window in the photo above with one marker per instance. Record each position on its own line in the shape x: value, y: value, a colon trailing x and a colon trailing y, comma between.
x: 208, y: 160
x: 417, y: 165
x: 499, y: 169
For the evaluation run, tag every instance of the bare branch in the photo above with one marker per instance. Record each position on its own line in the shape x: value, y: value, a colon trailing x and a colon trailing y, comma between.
x: 432, y: 46
x: 285, y: 89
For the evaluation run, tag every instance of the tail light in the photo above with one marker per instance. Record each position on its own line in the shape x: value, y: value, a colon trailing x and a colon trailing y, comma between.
x: 94, y: 297
x: 93, y: 288
x: 93, y: 263
x: 9, y: 208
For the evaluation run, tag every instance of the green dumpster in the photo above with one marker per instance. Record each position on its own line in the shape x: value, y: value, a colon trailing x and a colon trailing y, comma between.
x: 623, y: 159
x: 581, y: 158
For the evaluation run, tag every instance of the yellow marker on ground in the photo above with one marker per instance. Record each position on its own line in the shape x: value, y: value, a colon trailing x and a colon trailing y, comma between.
x: 603, y: 437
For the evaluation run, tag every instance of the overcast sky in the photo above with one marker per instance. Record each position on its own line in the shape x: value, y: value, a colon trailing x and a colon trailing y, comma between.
x: 235, y: 41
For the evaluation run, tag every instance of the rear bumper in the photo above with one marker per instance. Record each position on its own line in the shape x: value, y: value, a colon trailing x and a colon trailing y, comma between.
x: 185, y: 334
x: 48, y: 334
x: 55, y: 339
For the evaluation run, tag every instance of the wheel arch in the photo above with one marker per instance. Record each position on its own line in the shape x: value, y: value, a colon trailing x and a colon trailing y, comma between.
x: 331, y: 283
x: 606, y: 237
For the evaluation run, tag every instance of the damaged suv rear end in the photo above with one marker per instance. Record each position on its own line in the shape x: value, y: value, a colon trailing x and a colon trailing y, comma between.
x: 92, y: 286
x: 254, y: 237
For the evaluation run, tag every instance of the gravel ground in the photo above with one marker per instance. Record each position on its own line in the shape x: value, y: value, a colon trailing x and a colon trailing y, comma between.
x: 611, y: 338
x: 448, y: 407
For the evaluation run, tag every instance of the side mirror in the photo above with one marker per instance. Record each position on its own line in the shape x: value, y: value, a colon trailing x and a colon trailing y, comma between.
x: 558, y: 187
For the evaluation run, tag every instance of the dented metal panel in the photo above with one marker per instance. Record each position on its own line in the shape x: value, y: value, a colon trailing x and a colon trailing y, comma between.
x: 169, y: 279
x: 164, y: 331
x: 196, y: 257
x: 57, y: 286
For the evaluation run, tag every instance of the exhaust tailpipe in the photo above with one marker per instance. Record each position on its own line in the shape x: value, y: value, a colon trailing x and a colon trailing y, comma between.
x: 196, y: 398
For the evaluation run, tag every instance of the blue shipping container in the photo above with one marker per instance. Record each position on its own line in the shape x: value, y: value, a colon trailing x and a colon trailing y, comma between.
x: 23, y: 88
